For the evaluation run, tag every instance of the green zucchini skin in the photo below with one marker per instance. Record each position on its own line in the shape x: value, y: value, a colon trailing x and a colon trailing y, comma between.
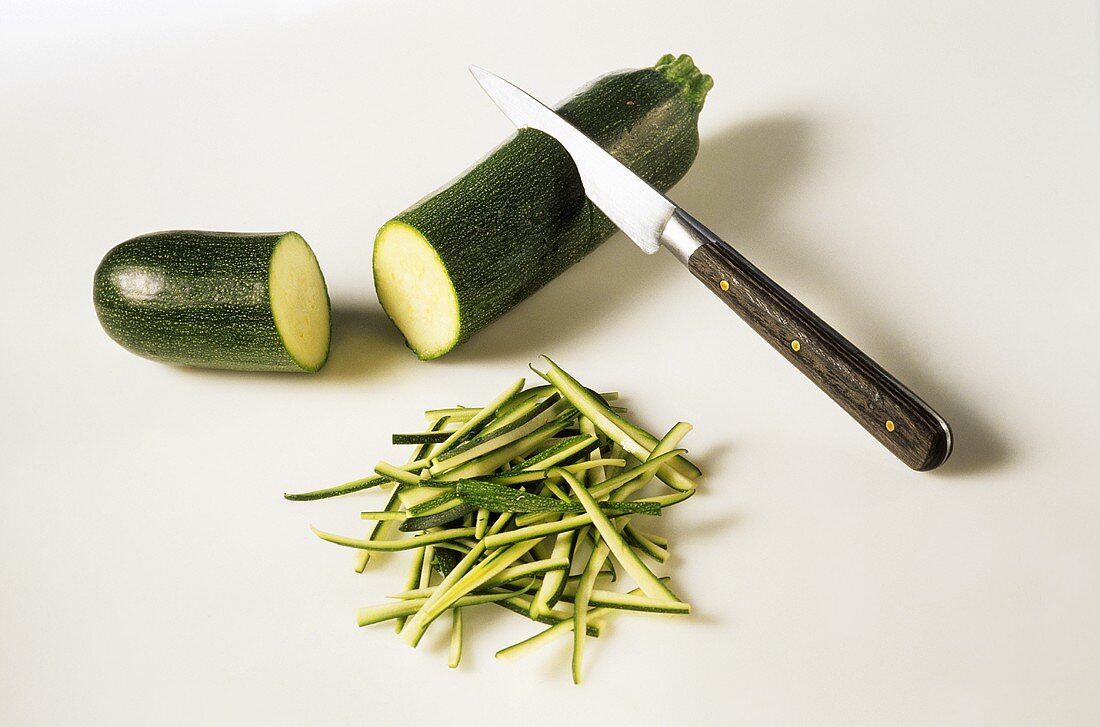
x: 194, y: 298
x: 519, y: 218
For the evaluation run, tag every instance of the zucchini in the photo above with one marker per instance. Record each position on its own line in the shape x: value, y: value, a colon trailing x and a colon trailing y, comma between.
x: 499, y: 498
x: 649, y: 583
x: 486, y: 496
x: 455, y: 261
x: 455, y: 650
x: 226, y: 300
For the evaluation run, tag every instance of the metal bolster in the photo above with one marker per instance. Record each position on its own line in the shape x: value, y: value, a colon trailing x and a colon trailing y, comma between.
x: 683, y: 235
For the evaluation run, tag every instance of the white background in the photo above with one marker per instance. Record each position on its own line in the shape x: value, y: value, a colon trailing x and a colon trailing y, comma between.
x: 922, y: 174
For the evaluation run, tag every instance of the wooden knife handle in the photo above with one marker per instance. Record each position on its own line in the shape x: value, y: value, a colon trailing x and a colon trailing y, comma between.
x: 895, y: 416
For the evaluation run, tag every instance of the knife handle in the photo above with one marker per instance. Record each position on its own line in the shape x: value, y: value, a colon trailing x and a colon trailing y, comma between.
x: 893, y: 414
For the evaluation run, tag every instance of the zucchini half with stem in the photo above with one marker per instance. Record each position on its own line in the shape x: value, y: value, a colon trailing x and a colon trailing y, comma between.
x: 455, y: 261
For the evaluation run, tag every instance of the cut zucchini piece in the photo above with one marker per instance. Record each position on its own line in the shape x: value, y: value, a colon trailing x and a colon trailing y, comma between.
x: 463, y: 256
x: 227, y: 300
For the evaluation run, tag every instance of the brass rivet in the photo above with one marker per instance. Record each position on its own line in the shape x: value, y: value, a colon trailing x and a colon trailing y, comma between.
x: 795, y: 345
x: 724, y: 285
x: 889, y: 425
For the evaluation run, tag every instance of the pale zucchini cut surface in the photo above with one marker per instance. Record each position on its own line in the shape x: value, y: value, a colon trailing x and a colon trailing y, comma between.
x: 415, y: 290
x: 299, y: 301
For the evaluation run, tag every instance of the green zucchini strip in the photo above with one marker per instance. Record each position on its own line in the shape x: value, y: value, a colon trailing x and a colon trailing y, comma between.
x: 557, y: 491
x: 419, y: 437
x: 474, y: 578
x: 413, y: 579
x: 363, y: 483
x: 563, y: 450
x: 616, y: 600
x: 455, y: 414
x: 457, y: 572
x: 659, y: 540
x: 643, y: 470
x: 640, y: 542
x: 667, y: 444
x: 521, y: 605
x: 482, y: 523
x: 507, y: 418
x: 630, y: 562
x: 481, y: 445
x: 609, y: 423
x: 443, y: 501
x: 437, y: 519
x: 416, y: 541
x: 508, y: 575
x: 385, y: 611
x: 363, y: 556
x: 681, y: 464
x: 499, y: 540
x: 499, y: 457
x: 394, y: 502
x: 499, y: 498
x: 524, y: 411
x: 562, y: 627
x: 488, y: 411
x: 580, y: 604
x: 597, y: 474
x: 381, y: 515
x: 397, y: 474
x: 514, y: 478
x: 455, y: 652
x: 668, y: 500
x: 536, y: 567
x: 552, y: 583
x: 499, y: 524
x: 617, y: 452
x: 464, y: 413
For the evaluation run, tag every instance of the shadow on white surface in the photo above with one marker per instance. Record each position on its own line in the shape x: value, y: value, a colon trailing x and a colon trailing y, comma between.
x: 364, y: 345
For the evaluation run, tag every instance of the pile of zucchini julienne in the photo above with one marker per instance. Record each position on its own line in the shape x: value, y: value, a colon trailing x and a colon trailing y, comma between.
x: 525, y: 503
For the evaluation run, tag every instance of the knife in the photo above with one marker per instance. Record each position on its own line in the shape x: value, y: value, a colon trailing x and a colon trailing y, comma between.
x: 893, y: 414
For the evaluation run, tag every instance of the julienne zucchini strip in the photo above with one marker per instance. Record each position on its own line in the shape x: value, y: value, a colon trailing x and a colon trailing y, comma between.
x: 522, y: 606
x: 473, y: 423
x: 455, y: 650
x: 640, y: 542
x: 610, y: 423
x: 630, y: 562
x: 363, y: 483
x: 562, y: 627
x: 603, y: 489
x: 392, y: 545
x: 531, y: 418
x: 499, y: 498
x: 506, y: 576
x: 526, y: 502
x: 385, y: 611
x: 580, y: 603
x: 393, y: 505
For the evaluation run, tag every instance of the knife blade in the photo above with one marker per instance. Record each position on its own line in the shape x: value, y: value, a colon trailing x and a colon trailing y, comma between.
x: 907, y: 426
